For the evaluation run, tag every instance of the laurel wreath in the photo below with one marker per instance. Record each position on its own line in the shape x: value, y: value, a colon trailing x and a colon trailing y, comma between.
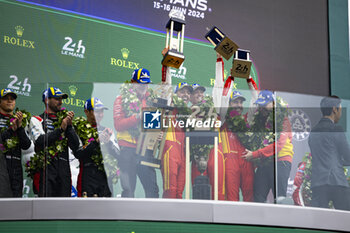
x: 262, y: 131
x: 13, y: 142
x: 131, y: 104
x: 207, y: 110
x: 104, y: 162
x: 306, y: 191
x: 37, y: 162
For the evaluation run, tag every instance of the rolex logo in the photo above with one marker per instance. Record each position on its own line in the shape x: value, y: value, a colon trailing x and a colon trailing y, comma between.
x: 123, y: 62
x: 125, y: 53
x: 17, y: 40
x: 72, y: 90
x: 19, y: 30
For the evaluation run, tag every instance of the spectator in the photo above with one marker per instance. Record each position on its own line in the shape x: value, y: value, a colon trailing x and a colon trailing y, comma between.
x: 330, y: 153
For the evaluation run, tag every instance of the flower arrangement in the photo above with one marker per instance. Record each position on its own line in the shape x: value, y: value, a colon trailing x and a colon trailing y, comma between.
x: 346, y: 171
x: 13, y: 142
x: 131, y: 104
x: 110, y: 165
x: 262, y: 131
x: 37, y: 162
x: 104, y: 161
x: 182, y: 108
x: 200, y: 151
x: 84, y: 129
x: 206, y: 106
x: 306, y: 192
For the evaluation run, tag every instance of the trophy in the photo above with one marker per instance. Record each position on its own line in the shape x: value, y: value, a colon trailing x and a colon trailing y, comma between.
x: 241, y: 64
x: 201, y: 185
x: 223, y: 45
x: 174, y: 56
x: 146, y: 147
x: 164, y: 94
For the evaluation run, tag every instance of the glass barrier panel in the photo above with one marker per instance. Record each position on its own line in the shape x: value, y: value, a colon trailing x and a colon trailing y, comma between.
x: 316, y: 165
x: 174, y: 141
x: 169, y: 141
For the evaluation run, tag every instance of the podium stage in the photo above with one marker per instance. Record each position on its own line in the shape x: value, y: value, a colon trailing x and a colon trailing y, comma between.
x: 163, y: 215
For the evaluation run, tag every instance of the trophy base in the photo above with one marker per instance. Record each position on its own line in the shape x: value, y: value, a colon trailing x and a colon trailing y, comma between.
x: 201, y: 188
x: 152, y: 162
x: 149, y: 161
x: 241, y: 68
x: 162, y: 103
x: 226, y: 48
x: 173, y: 59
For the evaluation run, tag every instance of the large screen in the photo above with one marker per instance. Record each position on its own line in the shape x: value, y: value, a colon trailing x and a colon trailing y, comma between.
x: 288, y: 39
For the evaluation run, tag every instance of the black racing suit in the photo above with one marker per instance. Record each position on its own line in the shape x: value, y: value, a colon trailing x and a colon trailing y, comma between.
x: 92, y: 180
x: 55, y: 179
x: 13, y: 156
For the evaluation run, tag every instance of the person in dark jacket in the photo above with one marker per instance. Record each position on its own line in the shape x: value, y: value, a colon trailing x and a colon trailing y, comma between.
x: 5, y: 190
x: 15, y: 139
x: 92, y: 179
x: 330, y: 153
x: 55, y: 178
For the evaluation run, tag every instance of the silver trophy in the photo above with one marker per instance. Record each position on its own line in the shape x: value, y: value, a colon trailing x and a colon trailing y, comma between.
x: 174, y: 43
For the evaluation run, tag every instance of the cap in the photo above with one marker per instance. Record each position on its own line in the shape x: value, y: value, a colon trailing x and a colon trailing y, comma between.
x: 236, y: 95
x: 141, y: 75
x: 94, y: 104
x: 196, y: 86
x: 54, y: 92
x: 7, y: 91
x: 265, y: 97
x: 183, y: 85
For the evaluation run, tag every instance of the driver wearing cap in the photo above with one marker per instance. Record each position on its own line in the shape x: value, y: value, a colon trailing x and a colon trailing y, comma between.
x: 264, y: 178
x: 8, y: 133
x: 55, y: 180
x: 173, y: 155
x: 126, y: 124
x: 92, y: 178
x: 239, y: 173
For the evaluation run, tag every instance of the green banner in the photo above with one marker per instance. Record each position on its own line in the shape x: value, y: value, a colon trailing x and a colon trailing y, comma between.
x: 41, y: 47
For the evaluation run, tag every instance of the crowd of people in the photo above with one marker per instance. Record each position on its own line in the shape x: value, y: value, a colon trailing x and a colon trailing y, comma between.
x: 247, y: 145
